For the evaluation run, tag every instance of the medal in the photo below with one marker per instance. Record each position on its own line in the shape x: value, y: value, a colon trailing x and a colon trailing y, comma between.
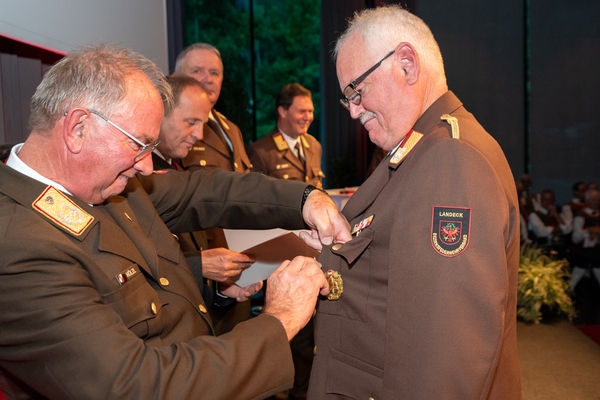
x: 336, y: 285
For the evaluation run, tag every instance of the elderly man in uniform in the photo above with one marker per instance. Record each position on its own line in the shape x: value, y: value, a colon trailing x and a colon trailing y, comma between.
x: 289, y: 151
x: 97, y: 299
x: 428, y: 286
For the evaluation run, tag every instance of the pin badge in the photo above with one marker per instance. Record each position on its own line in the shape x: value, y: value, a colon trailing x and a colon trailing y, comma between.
x: 336, y: 285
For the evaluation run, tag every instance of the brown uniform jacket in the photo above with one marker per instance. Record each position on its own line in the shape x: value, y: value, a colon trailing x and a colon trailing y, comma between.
x: 212, y: 152
x: 272, y: 156
x: 428, y: 309
x: 107, y: 308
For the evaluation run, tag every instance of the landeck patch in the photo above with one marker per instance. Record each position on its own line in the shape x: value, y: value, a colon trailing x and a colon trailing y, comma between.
x: 450, y: 228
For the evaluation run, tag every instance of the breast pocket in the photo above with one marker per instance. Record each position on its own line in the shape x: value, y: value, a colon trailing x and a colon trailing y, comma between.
x: 138, y: 305
x: 353, y: 378
x: 353, y: 261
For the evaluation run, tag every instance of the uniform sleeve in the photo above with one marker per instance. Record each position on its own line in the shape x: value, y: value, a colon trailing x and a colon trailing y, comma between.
x: 447, y: 310
x: 189, y: 202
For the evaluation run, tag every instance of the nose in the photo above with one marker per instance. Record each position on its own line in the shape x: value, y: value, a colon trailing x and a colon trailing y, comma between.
x: 198, y: 133
x: 356, y: 110
x: 145, y: 165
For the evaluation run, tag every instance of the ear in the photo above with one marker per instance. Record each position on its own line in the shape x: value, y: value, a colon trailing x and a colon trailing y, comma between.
x: 281, y: 112
x: 409, y: 62
x: 74, y: 129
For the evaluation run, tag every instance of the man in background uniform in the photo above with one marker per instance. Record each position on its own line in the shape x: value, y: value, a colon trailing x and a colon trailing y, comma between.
x: 221, y: 147
x: 288, y: 151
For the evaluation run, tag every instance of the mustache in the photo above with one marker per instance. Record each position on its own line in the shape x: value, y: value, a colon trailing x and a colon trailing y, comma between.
x: 366, y: 116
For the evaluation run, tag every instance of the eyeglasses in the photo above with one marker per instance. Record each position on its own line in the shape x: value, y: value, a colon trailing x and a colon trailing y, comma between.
x: 145, y: 148
x: 351, y: 95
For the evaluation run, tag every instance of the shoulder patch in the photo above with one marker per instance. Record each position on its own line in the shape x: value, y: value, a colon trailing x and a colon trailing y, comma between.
x: 453, y: 125
x: 450, y: 227
x: 407, y: 145
x: 54, y: 205
x: 280, y: 142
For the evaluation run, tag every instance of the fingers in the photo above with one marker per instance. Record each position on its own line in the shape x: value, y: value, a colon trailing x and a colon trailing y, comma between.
x: 311, y: 240
x: 322, y: 215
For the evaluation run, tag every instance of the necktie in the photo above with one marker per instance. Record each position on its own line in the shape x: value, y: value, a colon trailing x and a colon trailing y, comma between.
x: 301, y: 156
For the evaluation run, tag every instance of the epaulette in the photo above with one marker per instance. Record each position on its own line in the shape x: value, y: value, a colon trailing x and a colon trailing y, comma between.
x: 280, y: 142
x: 62, y: 211
x: 453, y: 124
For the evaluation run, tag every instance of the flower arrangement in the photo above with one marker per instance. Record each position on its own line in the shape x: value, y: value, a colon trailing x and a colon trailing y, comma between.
x: 543, y: 284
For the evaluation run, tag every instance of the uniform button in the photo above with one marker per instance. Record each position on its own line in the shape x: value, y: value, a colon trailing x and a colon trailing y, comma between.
x: 306, y: 178
x: 315, y: 350
x: 164, y: 281
x: 235, y: 165
x: 285, y: 176
x: 203, y: 163
x: 153, y: 308
x: 202, y: 308
x: 336, y: 246
x: 370, y: 398
x: 175, y: 236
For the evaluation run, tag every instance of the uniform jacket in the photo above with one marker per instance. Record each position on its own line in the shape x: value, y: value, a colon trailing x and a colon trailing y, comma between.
x: 272, y: 156
x: 212, y: 152
x: 428, y: 309
x: 99, y: 302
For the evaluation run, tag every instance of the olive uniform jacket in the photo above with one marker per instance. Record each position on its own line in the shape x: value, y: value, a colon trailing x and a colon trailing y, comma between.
x: 99, y: 302
x: 272, y: 156
x: 428, y: 309
x: 213, y: 152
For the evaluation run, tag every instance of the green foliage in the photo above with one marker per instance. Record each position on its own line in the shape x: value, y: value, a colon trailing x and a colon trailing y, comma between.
x: 543, y: 281
x: 286, y: 49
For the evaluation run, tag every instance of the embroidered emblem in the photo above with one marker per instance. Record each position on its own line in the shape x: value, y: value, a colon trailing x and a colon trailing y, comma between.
x: 280, y: 142
x: 358, y: 228
x: 407, y: 145
x: 57, y: 207
x: 453, y: 125
x: 450, y: 228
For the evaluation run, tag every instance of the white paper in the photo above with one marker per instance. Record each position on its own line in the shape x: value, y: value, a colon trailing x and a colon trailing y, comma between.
x: 270, y: 248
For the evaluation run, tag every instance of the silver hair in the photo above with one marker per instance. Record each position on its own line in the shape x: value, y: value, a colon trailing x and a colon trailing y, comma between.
x: 195, y: 46
x: 92, y: 77
x: 383, y: 28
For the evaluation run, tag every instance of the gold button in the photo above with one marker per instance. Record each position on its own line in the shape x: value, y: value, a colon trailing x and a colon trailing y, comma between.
x: 202, y: 308
x: 315, y: 350
x: 164, y: 281
x: 336, y: 246
x: 153, y: 308
x: 370, y: 398
x: 203, y: 163
x: 175, y: 236
x: 128, y: 217
x: 285, y: 176
x: 306, y: 178
x: 235, y: 165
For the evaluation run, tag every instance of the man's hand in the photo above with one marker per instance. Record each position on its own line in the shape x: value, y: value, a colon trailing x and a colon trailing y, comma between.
x: 292, y: 291
x: 326, y: 222
x: 240, y: 293
x: 224, y: 265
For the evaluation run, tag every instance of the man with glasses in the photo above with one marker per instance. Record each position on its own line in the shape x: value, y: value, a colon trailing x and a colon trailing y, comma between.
x: 428, y: 308
x: 97, y: 300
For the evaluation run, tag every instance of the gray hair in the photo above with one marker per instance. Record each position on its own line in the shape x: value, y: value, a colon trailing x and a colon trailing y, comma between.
x: 383, y: 28
x: 92, y: 77
x: 195, y: 46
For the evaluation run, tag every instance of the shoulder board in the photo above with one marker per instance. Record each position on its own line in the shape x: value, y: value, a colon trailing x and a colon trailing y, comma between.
x: 58, y: 208
x: 407, y: 145
x: 304, y: 142
x: 453, y: 124
x: 280, y: 142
